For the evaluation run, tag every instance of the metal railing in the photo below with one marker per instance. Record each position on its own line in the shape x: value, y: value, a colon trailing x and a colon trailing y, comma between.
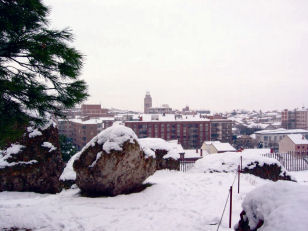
x: 292, y: 161
x: 186, y: 165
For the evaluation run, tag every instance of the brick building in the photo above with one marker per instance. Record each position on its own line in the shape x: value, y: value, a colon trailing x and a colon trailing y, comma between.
x: 93, y: 110
x: 221, y: 129
x: 80, y: 132
x: 190, y: 131
x: 190, y: 134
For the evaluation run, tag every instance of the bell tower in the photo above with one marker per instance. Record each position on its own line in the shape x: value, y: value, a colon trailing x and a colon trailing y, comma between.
x: 147, y: 102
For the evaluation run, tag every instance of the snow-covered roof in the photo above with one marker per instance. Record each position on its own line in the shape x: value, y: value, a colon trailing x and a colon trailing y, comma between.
x: 281, y: 131
x: 92, y: 121
x: 298, y: 139
x: 191, y: 153
x: 210, y: 142
x: 223, y: 147
x: 167, y: 118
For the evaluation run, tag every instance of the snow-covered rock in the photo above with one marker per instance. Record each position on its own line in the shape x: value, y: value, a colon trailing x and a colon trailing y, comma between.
x: 276, y: 206
x: 111, y: 163
x: 167, y: 154
x: 33, y: 162
x: 264, y: 167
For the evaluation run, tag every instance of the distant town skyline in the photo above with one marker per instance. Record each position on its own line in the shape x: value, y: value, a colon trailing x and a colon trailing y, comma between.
x: 216, y: 55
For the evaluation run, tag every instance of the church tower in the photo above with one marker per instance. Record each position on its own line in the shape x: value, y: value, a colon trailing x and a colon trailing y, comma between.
x: 147, y: 102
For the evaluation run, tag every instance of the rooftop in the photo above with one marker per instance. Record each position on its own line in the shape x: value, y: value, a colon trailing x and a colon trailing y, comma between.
x: 298, y: 139
x: 282, y: 131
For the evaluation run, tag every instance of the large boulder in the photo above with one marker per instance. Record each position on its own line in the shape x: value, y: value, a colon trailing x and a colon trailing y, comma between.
x: 33, y: 163
x: 112, y: 163
x: 167, y: 154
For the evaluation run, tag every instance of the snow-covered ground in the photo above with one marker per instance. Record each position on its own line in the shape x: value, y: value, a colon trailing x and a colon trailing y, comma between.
x: 175, y: 201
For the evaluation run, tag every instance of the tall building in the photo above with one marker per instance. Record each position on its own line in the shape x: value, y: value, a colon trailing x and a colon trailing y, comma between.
x: 297, y: 119
x: 147, y: 102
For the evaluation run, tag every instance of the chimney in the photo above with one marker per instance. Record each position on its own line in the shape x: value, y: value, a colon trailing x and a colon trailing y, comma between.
x: 201, y: 152
x: 182, y: 155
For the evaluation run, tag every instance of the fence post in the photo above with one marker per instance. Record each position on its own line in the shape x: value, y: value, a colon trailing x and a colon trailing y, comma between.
x: 230, y: 213
x: 238, y: 179
x: 241, y: 163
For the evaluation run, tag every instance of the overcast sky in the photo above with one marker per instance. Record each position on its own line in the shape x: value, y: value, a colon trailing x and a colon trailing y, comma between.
x: 208, y: 54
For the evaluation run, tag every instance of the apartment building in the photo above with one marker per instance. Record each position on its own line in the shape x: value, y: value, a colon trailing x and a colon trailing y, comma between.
x: 190, y: 130
x: 296, y: 119
x: 190, y: 134
x: 221, y: 129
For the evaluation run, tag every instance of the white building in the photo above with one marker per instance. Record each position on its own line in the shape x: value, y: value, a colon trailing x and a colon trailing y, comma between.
x: 271, y: 138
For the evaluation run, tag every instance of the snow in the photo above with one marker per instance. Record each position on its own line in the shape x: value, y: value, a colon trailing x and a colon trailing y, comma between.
x: 283, y: 208
x: 49, y: 145
x: 14, y: 149
x: 98, y: 156
x: 282, y: 131
x: 259, y: 151
x: 298, y: 139
x: 223, y: 147
x: 149, y: 145
x: 229, y: 162
x: 176, y: 201
x: 191, y: 153
x: 33, y: 132
x: 68, y: 172
x: 112, y: 138
x: 167, y: 117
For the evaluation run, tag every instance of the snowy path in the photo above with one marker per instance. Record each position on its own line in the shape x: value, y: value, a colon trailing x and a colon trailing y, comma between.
x: 176, y: 201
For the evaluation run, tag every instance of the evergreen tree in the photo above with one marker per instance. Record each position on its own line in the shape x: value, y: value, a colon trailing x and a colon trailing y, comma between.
x: 38, y: 68
x: 68, y: 149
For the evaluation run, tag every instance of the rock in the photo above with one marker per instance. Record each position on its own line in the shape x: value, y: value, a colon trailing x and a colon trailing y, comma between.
x: 166, y: 163
x: 264, y: 167
x: 112, y: 163
x: 272, y: 171
x: 33, y: 163
x: 167, y: 154
x: 243, y: 224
